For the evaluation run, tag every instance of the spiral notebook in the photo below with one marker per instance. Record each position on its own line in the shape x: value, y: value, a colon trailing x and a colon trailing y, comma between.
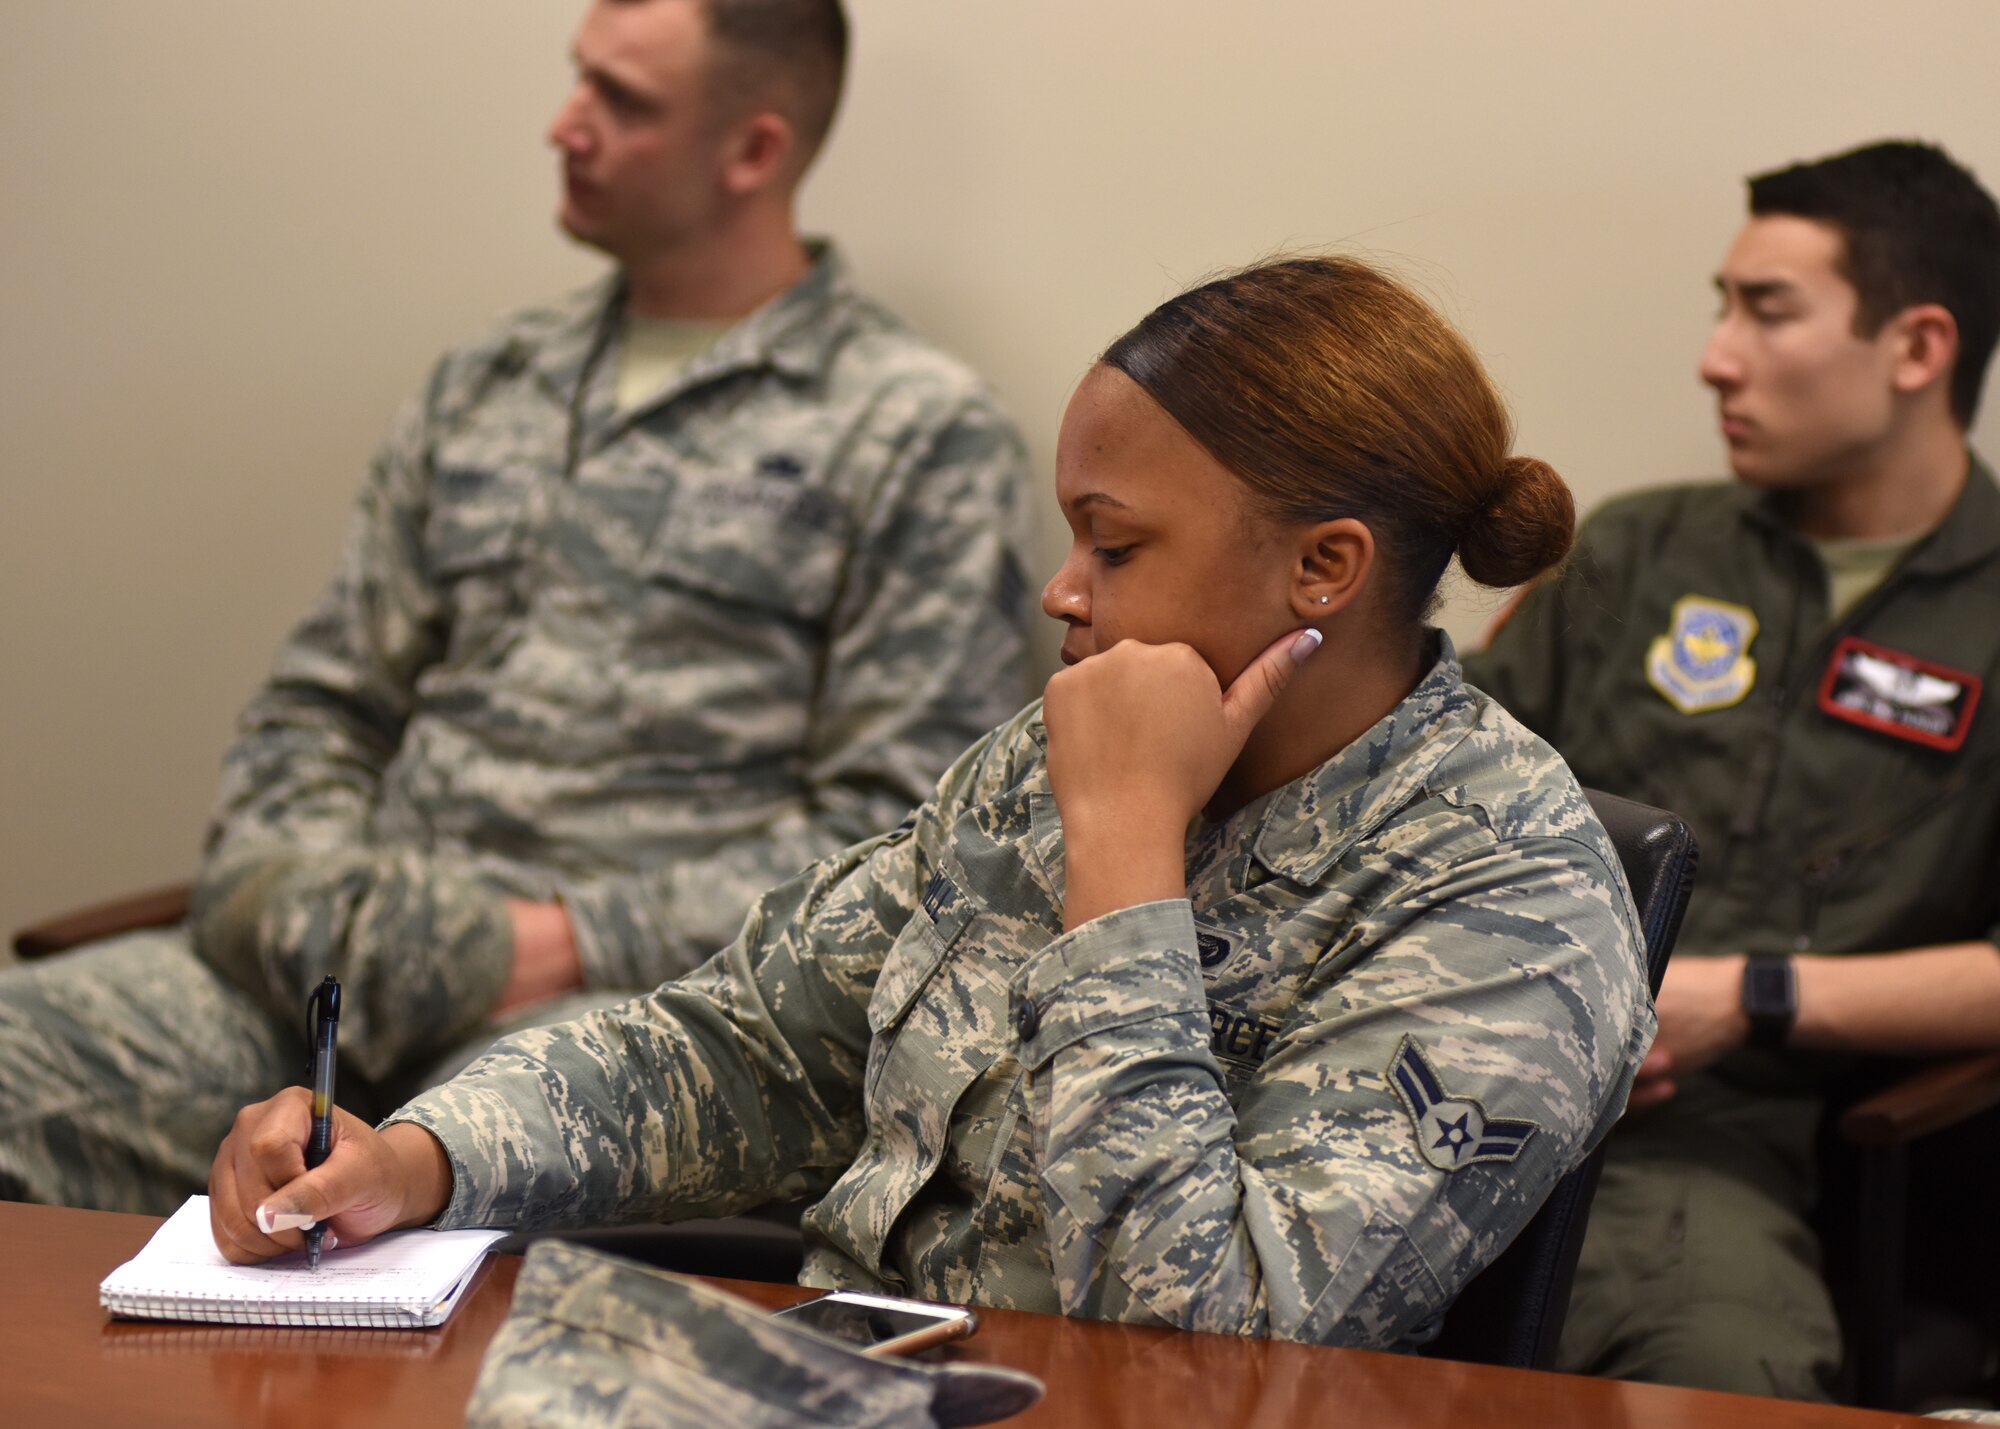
x: 405, y: 1280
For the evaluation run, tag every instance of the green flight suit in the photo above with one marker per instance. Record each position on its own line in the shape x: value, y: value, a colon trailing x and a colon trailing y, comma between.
x: 1686, y: 657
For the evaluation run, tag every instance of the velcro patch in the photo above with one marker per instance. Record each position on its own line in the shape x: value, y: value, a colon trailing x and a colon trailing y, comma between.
x: 1703, y: 661
x: 778, y: 498
x: 1213, y: 946
x: 1899, y: 695
x: 1452, y: 1132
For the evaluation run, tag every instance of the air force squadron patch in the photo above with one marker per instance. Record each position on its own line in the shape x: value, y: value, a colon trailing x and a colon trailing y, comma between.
x: 1452, y: 1132
x: 1899, y: 695
x: 1703, y: 661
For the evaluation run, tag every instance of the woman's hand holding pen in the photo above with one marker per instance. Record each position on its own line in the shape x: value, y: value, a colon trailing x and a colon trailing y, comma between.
x: 1140, y: 737
x: 369, y: 1183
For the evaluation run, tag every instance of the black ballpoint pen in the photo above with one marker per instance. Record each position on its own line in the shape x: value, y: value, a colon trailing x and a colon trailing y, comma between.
x: 323, y: 1007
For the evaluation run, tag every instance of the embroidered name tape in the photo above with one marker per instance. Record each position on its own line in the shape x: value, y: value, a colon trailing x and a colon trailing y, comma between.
x: 1452, y: 1132
x: 1242, y: 1038
x: 1899, y: 695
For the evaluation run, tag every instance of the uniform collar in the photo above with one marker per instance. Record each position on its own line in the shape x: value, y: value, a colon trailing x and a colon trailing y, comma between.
x: 1969, y: 533
x: 1315, y: 819
x: 787, y: 333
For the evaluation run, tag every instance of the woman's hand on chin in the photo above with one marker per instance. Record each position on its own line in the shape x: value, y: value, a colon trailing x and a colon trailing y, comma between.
x: 1139, y: 738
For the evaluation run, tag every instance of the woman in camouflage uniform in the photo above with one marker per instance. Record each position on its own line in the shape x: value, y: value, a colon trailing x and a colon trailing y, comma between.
x: 1263, y: 978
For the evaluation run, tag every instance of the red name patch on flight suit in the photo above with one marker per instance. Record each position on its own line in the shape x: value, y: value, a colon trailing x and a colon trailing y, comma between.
x: 1899, y: 695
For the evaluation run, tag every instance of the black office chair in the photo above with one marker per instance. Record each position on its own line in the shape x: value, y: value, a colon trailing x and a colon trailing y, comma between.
x: 1512, y: 1312
x: 1910, y: 1250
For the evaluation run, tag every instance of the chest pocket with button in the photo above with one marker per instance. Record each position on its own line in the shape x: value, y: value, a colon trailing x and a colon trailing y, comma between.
x: 908, y: 1088
x: 912, y: 962
x: 765, y: 546
x: 472, y: 537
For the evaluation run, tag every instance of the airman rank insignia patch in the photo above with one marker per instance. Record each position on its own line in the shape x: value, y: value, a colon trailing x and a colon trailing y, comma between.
x: 1899, y: 695
x: 1452, y: 1132
x: 1703, y: 662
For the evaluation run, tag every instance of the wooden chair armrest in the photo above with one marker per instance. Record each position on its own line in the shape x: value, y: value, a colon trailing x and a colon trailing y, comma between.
x: 156, y: 908
x: 1930, y: 1100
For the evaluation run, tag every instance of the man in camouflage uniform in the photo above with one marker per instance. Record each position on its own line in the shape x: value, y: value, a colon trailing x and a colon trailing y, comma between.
x: 1793, y: 663
x: 654, y: 597
x: 1403, y: 996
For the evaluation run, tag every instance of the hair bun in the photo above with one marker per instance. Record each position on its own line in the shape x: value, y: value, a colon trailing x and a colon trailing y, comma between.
x: 1522, y: 528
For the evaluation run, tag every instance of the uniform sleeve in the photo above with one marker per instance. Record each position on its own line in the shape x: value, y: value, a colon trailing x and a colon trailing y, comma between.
x: 927, y: 652
x: 292, y: 887
x: 1326, y: 1204
x: 735, y: 1085
x: 1552, y: 635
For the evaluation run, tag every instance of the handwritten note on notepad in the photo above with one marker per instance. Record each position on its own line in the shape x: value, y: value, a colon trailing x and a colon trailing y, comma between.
x: 402, y: 1280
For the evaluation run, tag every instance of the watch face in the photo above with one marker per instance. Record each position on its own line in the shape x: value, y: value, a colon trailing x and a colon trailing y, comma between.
x: 1768, y: 988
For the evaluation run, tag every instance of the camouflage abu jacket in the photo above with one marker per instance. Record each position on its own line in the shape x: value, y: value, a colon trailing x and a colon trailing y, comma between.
x: 652, y: 662
x: 1403, y: 996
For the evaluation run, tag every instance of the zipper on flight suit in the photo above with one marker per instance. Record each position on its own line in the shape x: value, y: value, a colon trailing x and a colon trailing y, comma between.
x: 1822, y: 869
x: 1819, y: 870
x: 1762, y: 776
x: 1816, y: 878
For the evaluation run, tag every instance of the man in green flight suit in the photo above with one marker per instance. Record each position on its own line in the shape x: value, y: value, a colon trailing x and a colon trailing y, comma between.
x: 1794, y: 662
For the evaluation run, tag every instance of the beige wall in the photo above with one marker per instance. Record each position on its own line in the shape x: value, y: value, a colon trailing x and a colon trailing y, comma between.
x: 235, y: 234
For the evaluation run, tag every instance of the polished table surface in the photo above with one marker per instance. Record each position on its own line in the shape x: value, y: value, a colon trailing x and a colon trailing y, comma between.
x: 65, y: 1362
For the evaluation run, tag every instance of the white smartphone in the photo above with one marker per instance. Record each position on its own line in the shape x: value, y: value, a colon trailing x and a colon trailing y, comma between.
x: 880, y: 1324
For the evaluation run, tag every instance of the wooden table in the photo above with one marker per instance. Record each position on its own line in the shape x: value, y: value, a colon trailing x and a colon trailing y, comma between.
x: 64, y: 1362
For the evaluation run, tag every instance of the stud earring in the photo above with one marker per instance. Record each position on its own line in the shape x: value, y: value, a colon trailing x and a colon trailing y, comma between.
x: 1323, y: 600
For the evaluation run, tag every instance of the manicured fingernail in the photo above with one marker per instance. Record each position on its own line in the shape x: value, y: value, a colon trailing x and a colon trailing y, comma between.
x: 332, y: 1242
x: 271, y: 1221
x: 1304, y: 643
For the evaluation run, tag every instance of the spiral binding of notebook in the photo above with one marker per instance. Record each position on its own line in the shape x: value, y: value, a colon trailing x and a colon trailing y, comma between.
x: 158, y: 1339
x: 403, y: 1281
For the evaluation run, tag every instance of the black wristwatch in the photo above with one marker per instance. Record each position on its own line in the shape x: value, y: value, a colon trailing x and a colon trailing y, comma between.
x: 1770, y: 999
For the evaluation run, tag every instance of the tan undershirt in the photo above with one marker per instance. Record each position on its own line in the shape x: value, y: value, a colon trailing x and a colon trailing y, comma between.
x: 1855, y: 566
x: 652, y: 353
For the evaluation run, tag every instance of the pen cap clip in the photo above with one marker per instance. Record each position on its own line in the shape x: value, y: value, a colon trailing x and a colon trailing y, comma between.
x: 322, y: 1022
x: 324, y: 1003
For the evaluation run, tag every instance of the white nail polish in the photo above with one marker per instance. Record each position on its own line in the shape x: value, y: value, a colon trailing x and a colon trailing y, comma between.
x: 270, y: 1222
x: 1307, y: 642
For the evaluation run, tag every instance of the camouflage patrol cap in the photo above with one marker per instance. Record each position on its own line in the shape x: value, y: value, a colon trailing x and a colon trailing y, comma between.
x: 599, y: 1341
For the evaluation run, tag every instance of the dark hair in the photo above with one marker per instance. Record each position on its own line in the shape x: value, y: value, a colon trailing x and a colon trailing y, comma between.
x: 802, y: 43
x: 1915, y: 228
x: 1333, y: 391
